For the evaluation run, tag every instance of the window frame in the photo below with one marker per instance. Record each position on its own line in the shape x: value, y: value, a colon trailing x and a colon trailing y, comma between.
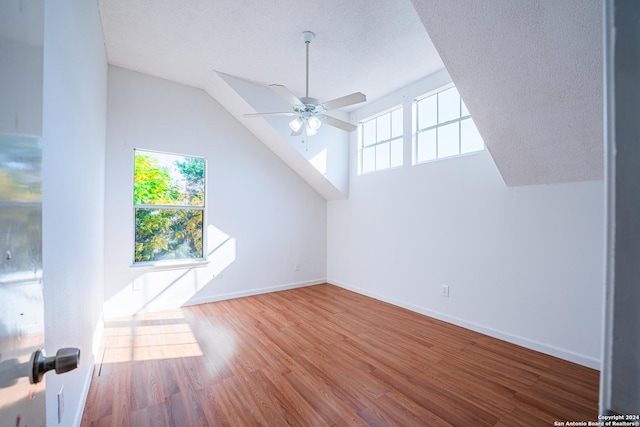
x: 179, y: 262
x: 416, y: 131
x: 390, y: 140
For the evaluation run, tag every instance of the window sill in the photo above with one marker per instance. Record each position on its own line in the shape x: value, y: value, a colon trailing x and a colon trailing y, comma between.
x: 171, y: 265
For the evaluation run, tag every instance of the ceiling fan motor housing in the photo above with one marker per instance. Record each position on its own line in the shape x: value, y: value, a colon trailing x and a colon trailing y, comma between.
x: 311, y: 107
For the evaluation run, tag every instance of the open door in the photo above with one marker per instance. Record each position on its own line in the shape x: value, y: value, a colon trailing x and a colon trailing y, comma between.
x: 22, y: 358
x: 21, y: 304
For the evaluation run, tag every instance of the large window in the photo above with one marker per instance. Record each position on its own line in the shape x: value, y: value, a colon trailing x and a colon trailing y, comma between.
x: 169, y: 202
x: 381, y: 142
x: 444, y: 127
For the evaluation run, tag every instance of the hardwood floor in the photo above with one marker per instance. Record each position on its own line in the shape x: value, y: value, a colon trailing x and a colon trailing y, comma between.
x: 324, y: 356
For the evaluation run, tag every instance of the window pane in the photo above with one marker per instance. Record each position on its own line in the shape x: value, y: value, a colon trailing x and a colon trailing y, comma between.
x: 448, y: 105
x: 426, y: 146
x: 396, y: 152
x: 396, y: 123
x: 369, y: 159
x: 191, y: 180
x: 470, y: 140
x: 428, y: 112
x: 369, y: 133
x: 168, y: 179
x: 166, y: 234
x: 448, y: 140
x: 382, y: 156
x: 384, y: 127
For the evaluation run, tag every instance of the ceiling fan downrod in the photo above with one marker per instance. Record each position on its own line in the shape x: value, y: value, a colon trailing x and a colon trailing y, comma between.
x: 307, y: 37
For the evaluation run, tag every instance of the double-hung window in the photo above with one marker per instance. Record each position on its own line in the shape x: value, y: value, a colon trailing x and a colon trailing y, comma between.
x: 381, y: 142
x: 444, y: 127
x: 169, y: 205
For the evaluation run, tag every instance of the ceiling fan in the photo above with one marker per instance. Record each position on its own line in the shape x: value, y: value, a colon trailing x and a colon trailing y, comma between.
x: 309, y: 112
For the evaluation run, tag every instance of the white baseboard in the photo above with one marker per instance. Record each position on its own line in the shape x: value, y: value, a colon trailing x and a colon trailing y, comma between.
x: 580, y: 359
x: 77, y: 420
x: 251, y: 292
x: 172, y: 305
x: 84, y: 394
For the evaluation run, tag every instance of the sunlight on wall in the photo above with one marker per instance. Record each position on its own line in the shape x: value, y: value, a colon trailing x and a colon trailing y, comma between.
x: 222, y: 250
x: 165, y: 288
x: 319, y: 161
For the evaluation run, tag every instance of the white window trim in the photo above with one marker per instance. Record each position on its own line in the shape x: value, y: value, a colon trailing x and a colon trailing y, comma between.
x: 177, y: 263
x: 360, y: 142
x: 404, y: 97
x: 416, y: 132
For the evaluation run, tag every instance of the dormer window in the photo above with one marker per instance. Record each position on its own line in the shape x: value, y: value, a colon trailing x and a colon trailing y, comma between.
x: 381, y: 142
x: 443, y: 127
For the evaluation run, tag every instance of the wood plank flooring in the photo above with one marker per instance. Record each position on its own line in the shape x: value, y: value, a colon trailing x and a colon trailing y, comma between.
x: 324, y: 356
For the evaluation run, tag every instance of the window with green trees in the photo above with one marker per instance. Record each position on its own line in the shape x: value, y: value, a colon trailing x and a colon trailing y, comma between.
x: 169, y: 203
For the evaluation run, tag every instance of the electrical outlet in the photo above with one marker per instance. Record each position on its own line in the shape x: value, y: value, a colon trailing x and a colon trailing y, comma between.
x: 444, y: 290
x: 60, y: 404
x: 296, y: 266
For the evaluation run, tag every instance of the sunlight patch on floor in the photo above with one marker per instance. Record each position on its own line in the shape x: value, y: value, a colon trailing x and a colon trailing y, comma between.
x: 150, y: 336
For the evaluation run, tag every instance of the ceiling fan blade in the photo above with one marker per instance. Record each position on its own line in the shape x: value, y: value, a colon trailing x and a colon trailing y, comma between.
x: 287, y: 95
x: 354, y: 98
x: 271, y: 114
x: 332, y: 121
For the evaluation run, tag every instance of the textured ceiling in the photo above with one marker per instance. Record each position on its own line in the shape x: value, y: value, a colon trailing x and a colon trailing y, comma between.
x: 530, y: 73
x: 371, y: 46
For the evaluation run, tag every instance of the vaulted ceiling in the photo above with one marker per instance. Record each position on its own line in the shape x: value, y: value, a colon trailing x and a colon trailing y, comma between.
x: 371, y: 46
x: 530, y: 72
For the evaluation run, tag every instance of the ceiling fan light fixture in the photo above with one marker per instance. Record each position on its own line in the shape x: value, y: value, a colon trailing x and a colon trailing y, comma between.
x: 311, y: 131
x: 296, y: 124
x: 314, y: 123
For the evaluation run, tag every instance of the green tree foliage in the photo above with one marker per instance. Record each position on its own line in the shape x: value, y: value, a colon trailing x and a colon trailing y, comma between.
x: 192, y: 168
x: 166, y: 232
x: 152, y: 183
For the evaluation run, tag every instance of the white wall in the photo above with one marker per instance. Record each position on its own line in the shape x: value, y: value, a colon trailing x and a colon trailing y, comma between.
x: 523, y: 264
x: 74, y: 127
x: 261, y: 216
